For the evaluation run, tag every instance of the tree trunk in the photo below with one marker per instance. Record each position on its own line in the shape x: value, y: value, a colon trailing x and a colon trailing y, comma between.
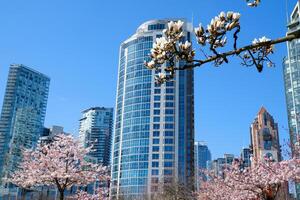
x: 61, y: 195
x: 23, y: 194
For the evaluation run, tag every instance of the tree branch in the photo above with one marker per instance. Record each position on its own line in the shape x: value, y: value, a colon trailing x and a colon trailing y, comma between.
x: 198, y: 63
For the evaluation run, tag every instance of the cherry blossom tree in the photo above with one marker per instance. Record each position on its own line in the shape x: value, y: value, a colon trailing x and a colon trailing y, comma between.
x: 60, y: 163
x: 213, y: 39
x: 266, y: 180
x: 100, y: 194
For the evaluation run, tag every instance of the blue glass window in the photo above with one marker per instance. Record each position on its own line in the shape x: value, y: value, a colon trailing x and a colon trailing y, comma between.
x: 156, y: 105
x: 155, y: 148
x: 156, y: 91
x: 155, y: 141
x: 169, y: 90
x: 156, y: 112
x: 169, y: 118
x: 169, y: 148
x: 156, y: 126
x: 155, y: 156
x: 169, y: 126
x: 156, y: 98
x: 169, y: 97
x: 168, y: 164
x: 169, y: 133
x: 169, y: 111
x: 168, y: 156
x: 155, y: 164
x: 156, y: 119
x: 168, y: 172
x: 155, y: 133
x: 155, y: 172
x: 169, y: 104
x: 169, y: 141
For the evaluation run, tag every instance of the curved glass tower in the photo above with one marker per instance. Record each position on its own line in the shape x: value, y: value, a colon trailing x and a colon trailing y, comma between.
x: 154, y: 124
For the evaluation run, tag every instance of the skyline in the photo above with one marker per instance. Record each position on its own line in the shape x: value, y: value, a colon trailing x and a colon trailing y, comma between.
x: 63, y: 96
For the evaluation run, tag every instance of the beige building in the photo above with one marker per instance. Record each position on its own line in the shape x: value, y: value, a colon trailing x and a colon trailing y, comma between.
x: 265, y: 137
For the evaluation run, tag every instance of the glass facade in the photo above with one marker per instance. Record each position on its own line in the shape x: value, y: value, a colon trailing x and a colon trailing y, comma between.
x: 291, y: 72
x: 95, y: 130
x: 202, y: 157
x: 22, y: 116
x: 154, y: 124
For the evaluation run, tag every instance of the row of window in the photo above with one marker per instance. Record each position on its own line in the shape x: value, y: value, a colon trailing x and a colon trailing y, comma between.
x: 155, y: 172
x: 166, y: 126
x: 166, y: 148
x: 167, y: 156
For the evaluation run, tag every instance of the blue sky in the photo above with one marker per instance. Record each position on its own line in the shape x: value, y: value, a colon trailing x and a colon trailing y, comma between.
x: 76, y: 43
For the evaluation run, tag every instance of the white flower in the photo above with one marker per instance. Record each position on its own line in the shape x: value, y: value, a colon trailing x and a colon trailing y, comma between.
x: 150, y: 64
x: 161, y: 76
x: 236, y: 16
x: 185, y: 46
x: 260, y: 40
x: 222, y: 15
x: 229, y: 15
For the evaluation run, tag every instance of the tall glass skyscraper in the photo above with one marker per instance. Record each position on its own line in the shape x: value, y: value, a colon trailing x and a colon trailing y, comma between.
x: 202, y: 157
x: 291, y: 71
x: 22, y: 116
x: 154, y: 124
x: 96, y: 128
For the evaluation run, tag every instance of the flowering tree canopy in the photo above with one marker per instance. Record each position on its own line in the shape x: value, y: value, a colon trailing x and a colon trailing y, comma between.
x: 60, y: 163
x: 171, y: 48
x: 266, y: 181
x: 100, y: 194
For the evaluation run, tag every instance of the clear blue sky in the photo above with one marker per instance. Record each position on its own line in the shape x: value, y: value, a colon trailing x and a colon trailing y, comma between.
x: 76, y: 43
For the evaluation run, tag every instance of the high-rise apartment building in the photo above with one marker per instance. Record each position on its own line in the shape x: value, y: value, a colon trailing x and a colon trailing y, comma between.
x: 154, y: 124
x: 202, y: 156
x: 22, y: 116
x: 96, y: 126
x: 49, y: 133
x: 265, y: 137
x: 291, y: 72
x: 246, y: 157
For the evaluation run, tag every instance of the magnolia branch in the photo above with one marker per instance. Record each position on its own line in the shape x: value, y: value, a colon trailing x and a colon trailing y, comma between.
x: 197, y: 63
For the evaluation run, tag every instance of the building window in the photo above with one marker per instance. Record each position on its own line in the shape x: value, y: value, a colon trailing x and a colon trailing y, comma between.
x: 168, y: 156
x: 169, y: 133
x: 169, y: 126
x: 156, y: 126
x: 168, y: 148
x: 155, y: 172
x: 169, y: 111
x: 156, y: 119
x: 155, y: 156
x: 156, y: 112
x: 155, y: 148
x: 169, y: 141
x: 169, y: 90
x: 155, y: 164
x: 155, y: 141
x: 155, y: 133
x: 156, y: 91
x: 168, y: 172
x: 156, y: 98
x: 156, y: 105
x: 169, y: 97
x: 168, y: 164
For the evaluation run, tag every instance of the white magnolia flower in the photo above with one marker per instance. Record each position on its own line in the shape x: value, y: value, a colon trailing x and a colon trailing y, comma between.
x: 162, y: 76
x: 236, y: 16
x: 150, y: 64
x: 185, y: 46
x: 255, y: 3
x: 260, y: 40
